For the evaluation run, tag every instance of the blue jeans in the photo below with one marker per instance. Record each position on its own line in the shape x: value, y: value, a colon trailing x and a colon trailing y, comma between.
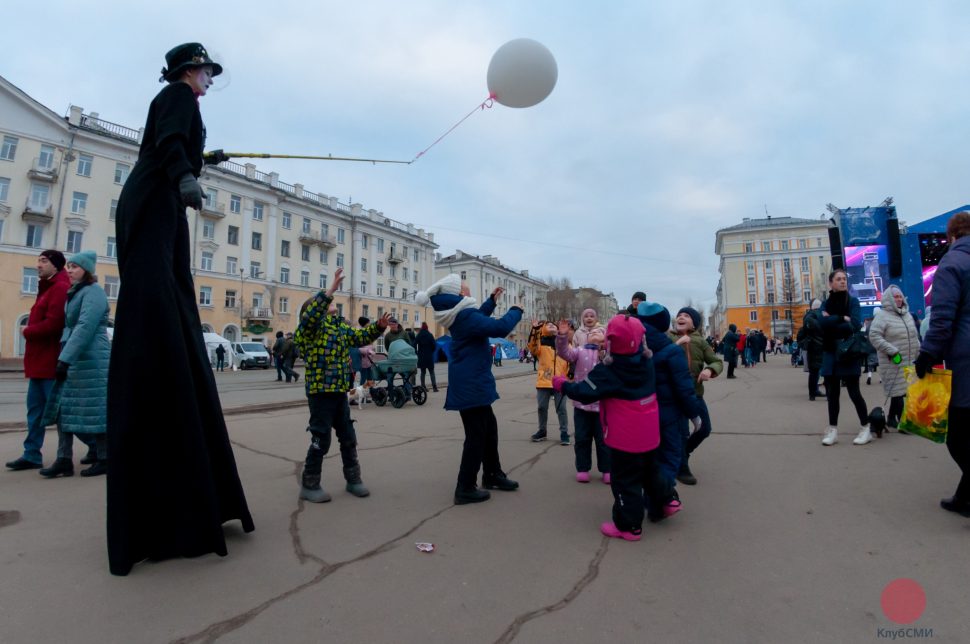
x: 671, y: 450
x: 38, y: 391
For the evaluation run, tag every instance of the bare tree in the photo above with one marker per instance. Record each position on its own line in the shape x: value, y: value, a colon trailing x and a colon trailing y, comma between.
x: 560, y: 298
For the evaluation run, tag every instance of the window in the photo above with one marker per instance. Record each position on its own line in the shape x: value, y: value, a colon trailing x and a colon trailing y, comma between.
x: 84, y: 163
x: 802, y: 243
x: 768, y: 264
x: 365, y: 311
x: 788, y: 314
x: 770, y: 282
x: 4, y: 188
x: 257, y: 243
x: 323, y: 257
x: 380, y: 245
x: 35, y: 236
x: 380, y: 311
x: 257, y: 300
x: 804, y: 263
x: 750, y: 282
x: 230, y: 299
x: 111, y: 286
x: 39, y: 196
x: 255, y: 271
x: 28, y: 282
x: 304, y: 278
x: 121, y: 172
x: 111, y: 248
x: 208, y: 229
x: 463, y: 276
x: 750, y: 267
x: 363, y: 264
x: 390, y: 292
x: 415, y: 255
x: 818, y: 242
x: 287, y: 220
x: 231, y: 265
x: 774, y: 314
x: 748, y: 247
x: 304, y: 252
x: 9, y: 150
x: 765, y: 246
x: 235, y: 204
x: 380, y: 268
x: 752, y: 298
x: 257, y: 211
x: 340, y: 260
x: 753, y: 316
x: 323, y: 279
x: 363, y: 241
x: 206, y: 260
x: 404, y: 315
x: 46, y: 159
x: 285, y: 248
x: 363, y: 288
x: 414, y: 276
x: 324, y: 228
x: 771, y: 298
x: 806, y: 295
x: 340, y: 235
x: 404, y: 272
x: 210, y: 198
x: 205, y: 296
x: 380, y: 291
x: 284, y: 305
x: 821, y: 260
x: 284, y: 275
x: 233, y: 236
x: 306, y: 225
x: 74, y: 241
x: 404, y: 294
x: 113, y: 211
x: 393, y: 270
x: 340, y: 309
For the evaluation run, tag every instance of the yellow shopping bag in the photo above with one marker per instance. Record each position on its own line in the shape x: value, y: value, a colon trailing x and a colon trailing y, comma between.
x: 927, y: 403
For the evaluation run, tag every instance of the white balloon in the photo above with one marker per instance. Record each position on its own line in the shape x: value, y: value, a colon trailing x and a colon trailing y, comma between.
x: 522, y: 73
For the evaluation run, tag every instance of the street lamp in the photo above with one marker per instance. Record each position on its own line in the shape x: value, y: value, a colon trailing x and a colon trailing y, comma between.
x: 242, y: 272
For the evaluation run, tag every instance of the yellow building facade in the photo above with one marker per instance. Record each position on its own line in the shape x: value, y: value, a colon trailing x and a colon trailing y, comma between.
x: 260, y: 247
x: 770, y: 269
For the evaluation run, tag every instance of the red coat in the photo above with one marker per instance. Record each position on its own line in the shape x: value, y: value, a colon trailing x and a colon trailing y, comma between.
x: 44, y: 327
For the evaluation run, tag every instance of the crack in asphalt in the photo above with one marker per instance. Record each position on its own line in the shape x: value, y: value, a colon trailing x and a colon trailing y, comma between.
x: 592, y: 571
x: 262, y: 453
x: 530, y: 463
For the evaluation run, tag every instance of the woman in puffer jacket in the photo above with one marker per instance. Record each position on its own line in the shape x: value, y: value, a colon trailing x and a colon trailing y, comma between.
x: 894, y: 336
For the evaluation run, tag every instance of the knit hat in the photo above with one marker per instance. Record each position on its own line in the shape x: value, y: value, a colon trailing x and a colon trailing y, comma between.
x: 656, y: 315
x: 694, y: 316
x: 363, y: 321
x: 624, y: 335
x: 732, y: 328
x: 86, y: 259
x: 447, y: 285
x: 55, y: 257
x: 639, y: 295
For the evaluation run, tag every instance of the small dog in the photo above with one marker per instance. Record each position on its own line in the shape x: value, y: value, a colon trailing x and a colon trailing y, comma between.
x: 360, y: 395
x: 877, y: 421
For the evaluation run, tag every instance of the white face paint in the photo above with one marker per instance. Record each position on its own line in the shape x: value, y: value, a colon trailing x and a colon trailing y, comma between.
x: 199, y: 79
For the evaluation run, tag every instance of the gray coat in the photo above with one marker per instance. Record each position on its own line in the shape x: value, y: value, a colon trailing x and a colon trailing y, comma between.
x: 85, y: 347
x: 949, y: 334
x: 893, y: 331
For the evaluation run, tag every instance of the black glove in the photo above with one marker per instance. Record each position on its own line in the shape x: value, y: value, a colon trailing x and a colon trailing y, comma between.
x: 214, y: 157
x: 924, y: 363
x: 517, y: 308
x: 190, y: 191
x: 60, y: 371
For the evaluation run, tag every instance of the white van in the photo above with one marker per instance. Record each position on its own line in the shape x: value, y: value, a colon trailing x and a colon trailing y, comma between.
x: 250, y: 355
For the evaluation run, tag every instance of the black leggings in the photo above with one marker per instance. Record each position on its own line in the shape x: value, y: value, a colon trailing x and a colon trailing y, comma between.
x: 958, y: 442
x: 832, y: 390
x: 896, y: 404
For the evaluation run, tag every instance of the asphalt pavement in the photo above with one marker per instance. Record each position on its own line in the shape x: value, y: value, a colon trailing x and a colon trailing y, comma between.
x: 782, y: 540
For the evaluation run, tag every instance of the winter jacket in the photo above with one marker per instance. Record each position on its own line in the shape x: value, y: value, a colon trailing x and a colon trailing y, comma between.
x: 730, y: 345
x: 324, y: 341
x: 84, y: 395
x: 948, y: 336
x: 626, y: 392
x: 584, y: 358
x: 544, y: 348
x: 582, y: 334
x: 810, y: 339
x: 401, y: 334
x: 675, y: 387
x: 426, y: 347
x: 699, y: 356
x: 45, y: 324
x: 834, y: 329
x: 893, y: 331
x: 470, y: 379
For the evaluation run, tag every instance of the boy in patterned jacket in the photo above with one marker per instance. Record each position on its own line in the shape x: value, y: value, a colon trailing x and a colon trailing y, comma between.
x: 324, y: 341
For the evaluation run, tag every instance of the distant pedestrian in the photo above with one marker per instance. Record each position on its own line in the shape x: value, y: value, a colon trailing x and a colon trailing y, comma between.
x: 894, y: 336
x: 729, y: 344
x: 810, y: 344
x: 220, y: 358
x: 427, y: 347
x: 277, y: 355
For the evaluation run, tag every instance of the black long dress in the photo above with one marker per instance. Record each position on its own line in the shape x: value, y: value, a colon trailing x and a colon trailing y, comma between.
x: 172, y: 478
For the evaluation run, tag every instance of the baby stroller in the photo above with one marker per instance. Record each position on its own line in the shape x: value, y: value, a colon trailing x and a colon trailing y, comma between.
x: 401, y: 360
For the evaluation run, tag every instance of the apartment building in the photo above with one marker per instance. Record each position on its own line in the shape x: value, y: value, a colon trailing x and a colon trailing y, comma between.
x: 260, y: 247
x: 770, y: 269
x: 484, y: 273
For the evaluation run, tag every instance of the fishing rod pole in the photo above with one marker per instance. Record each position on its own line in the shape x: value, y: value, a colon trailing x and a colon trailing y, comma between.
x: 218, y: 156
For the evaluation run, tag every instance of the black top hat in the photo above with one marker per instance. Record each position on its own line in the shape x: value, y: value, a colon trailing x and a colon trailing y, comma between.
x: 186, y: 56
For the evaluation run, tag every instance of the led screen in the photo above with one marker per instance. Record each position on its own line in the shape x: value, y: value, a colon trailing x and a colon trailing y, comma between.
x: 868, y: 269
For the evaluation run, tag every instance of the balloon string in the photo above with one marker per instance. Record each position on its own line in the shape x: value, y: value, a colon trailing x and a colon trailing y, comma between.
x: 486, y: 104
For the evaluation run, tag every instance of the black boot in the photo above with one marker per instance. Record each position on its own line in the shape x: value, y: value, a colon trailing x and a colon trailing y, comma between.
x: 91, y: 457
x: 465, y: 495
x: 354, y: 484
x: 499, y: 481
x: 60, y: 467
x: 97, y: 469
x: 685, y: 476
x: 310, y: 488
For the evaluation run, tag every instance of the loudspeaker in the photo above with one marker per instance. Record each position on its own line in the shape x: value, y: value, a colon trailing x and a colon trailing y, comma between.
x: 895, y: 248
x: 835, y: 245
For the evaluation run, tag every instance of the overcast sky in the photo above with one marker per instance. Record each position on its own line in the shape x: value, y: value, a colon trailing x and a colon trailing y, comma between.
x: 669, y: 120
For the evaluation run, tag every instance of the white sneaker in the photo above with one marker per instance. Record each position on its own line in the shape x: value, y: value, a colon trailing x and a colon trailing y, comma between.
x: 864, y: 436
x: 831, y: 436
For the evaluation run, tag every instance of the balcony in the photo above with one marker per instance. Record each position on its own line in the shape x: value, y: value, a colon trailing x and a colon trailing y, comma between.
x: 213, y: 210
x: 395, y: 257
x: 37, y: 213
x: 312, y: 237
x: 41, y: 172
x: 259, y: 313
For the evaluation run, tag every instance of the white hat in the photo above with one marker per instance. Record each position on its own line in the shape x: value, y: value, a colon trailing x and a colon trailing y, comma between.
x: 447, y: 285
